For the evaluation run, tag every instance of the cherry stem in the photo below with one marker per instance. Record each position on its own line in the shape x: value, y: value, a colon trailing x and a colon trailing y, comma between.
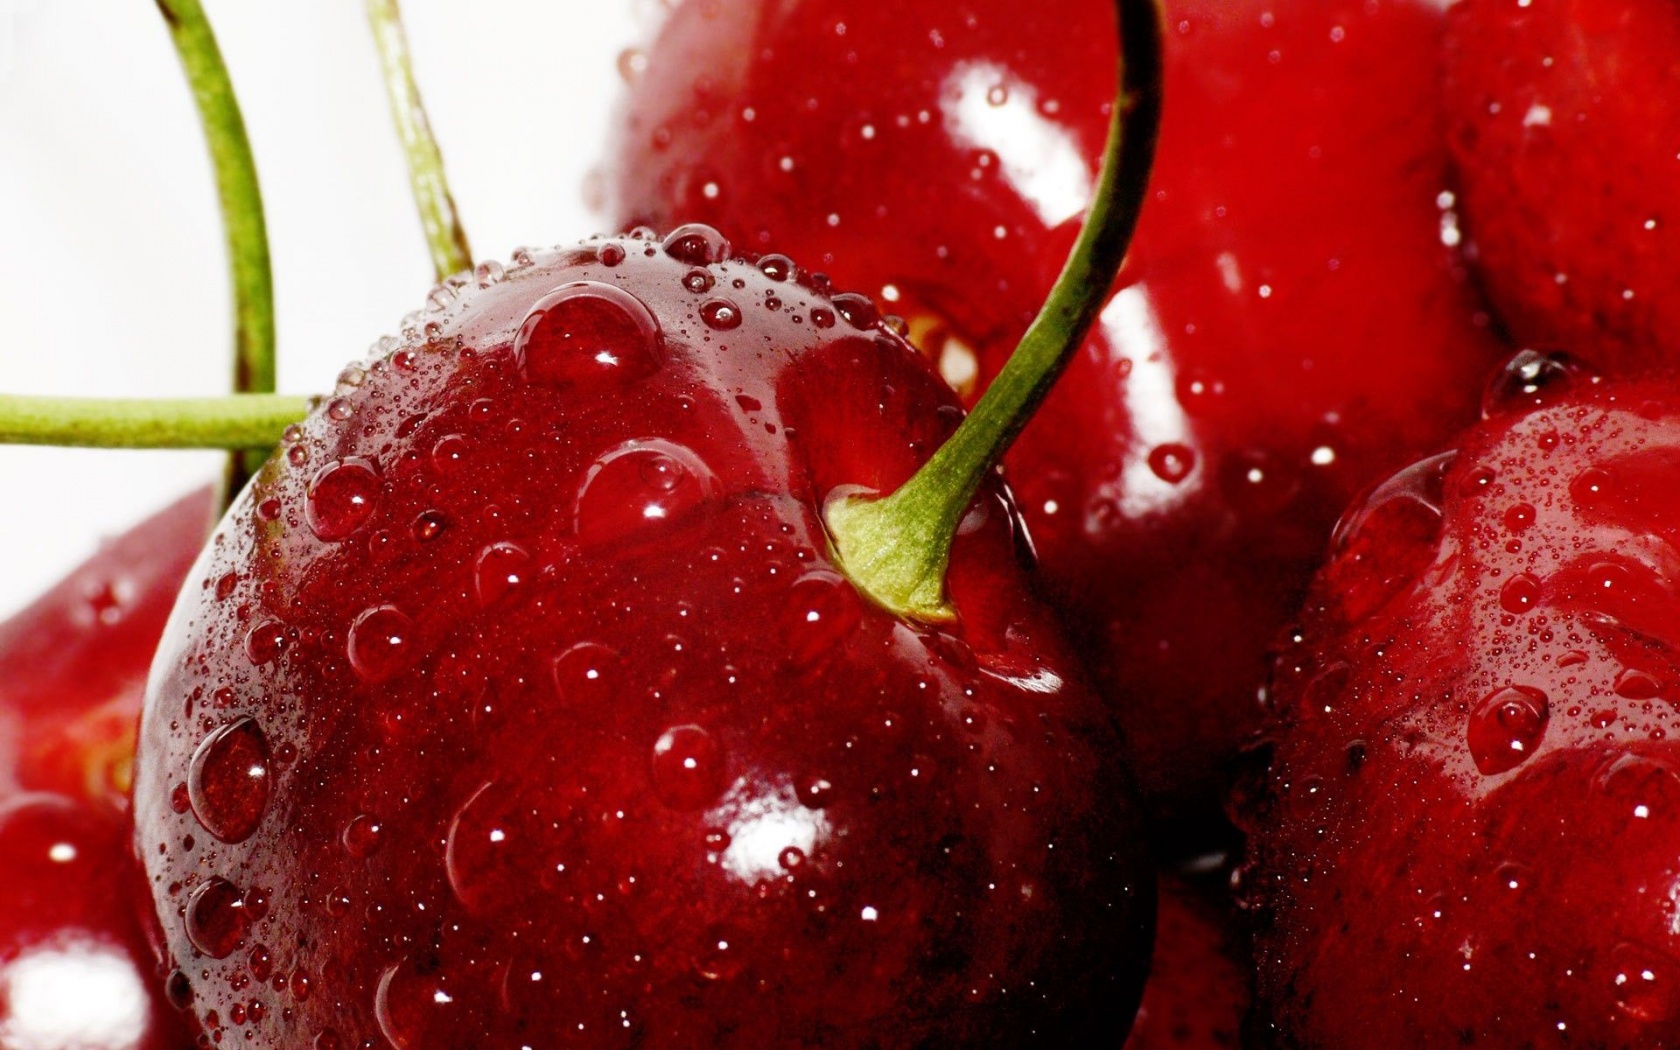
x: 241, y: 422
x: 445, y: 236
x: 242, y: 211
x: 897, y: 548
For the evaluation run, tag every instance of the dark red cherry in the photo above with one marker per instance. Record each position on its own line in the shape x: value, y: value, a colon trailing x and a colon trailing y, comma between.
x: 75, y: 967
x: 1199, y: 976
x: 615, y: 755
x: 1470, y: 829
x: 1291, y: 323
x: 1565, y: 127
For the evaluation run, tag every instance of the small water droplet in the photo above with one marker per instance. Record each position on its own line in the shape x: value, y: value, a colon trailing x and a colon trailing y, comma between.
x: 450, y: 453
x: 501, y: 567
x: 814, y: 792
x: 687, y: 767
x: 777, y: 267
x: 1532, y: 379
x: 215, y: 919
x: 611, y: 254
x: 380, y: 644
x: 429, y: 525
x: 822, y: 317
x: 588, y: 673
x: 1172, y: 462
x: 696, y: 244
x: 858, y: 311
x: 228, y: 780
x: 341, y: 498
x: 698, y: 281
x: 720, y: 314
x: 264, y: 642
x: 1506, y: 727
x: 822, y: 610
x: 721, y: 955
x: 589, y: 335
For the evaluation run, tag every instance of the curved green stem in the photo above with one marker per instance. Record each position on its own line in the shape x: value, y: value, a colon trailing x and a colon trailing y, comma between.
x: 242, y: 211
x: 897, y: 549
x: 444, y: 234
x: 239, y: 422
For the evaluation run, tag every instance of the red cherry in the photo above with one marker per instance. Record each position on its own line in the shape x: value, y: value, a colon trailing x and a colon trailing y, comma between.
x: 1472, y: 817
x: 75, y: 967
x: 1199, y: 977
x: 618, y: 756
x: 1289, y: 326
x: 1565, y: 132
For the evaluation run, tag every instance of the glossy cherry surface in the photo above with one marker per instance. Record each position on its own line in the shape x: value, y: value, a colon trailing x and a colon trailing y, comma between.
x: 519, y: 701
x: 1565, y: 124
x: 75, y: 967
x: 1290, y: 324
x: 1471, y: 830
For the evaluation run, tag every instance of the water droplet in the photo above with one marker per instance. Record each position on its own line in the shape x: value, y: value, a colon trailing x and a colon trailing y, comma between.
x: 822, y: 317
x: 264, y: 642
x: 361, y: 835
x: 215, y: 918
x: 1646, y: 982
x: 858, y: 310
x: 501, y: 567
x: 777, y: 267
x: 721, y: 956
x: 1172, y: 463
x: 814, y: 792
x: 489, y: 273
x: 228, y: 781
x: 638, y: 486
x: 611, y: 254
x: 380, y: 643
x: 698, y: 281
x: 429, y: 525
x: 1532, y: 379
x: 1520, y: 593
x: 720, y: 314
x: 1592, y: 487
x: 1640, y: 787
x: 687, y: 767
x: 587, y: 673
x: 823, y: 609
x: 589, y: 335
x: 1519, y: 516
x: 696, y: 244
x: 341, y: 498
x: 450, y: 453
x: 1506, y: 727
x: 1634, y: 684
x: 791, y: 858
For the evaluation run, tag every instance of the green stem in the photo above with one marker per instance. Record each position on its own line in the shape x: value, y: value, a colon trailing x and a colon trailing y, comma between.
x: 242, y: 421
x: 242, y: 210
x: 897, y: 548
x: 444, y: 234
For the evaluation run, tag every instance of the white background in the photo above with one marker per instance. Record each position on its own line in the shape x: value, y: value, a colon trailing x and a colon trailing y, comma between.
x: 113, y: 279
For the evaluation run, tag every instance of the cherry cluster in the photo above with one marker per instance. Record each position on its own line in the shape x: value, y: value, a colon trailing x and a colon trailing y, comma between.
x: 1305, y: 679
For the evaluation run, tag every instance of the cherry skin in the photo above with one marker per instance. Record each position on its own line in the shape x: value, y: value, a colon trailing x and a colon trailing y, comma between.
x: 1289, y: 325
x: 72, y: 675
x: 1564, y: 129
x: 1471, y: 825
x: 519, y: 701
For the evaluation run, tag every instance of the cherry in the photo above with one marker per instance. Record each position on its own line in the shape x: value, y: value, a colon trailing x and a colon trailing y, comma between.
x: 521, y: 700
x: 1289, y: 326
x: 1198, y: 988
x: 75, y: 967
x: 1575, y: 94
x: 1469, y: 829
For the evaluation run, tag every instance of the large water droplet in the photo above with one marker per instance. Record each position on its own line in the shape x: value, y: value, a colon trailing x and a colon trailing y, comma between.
x: 588, y: 335
x: 640, y: 485
x: 215, y: 918
x: 341, y: 498
x: 1520, y: 593
x: 696, y: 244
x: 1645, y: 981
x: 720, y: 314
x: 1506, y: 727
x: 489, y: 854
x: 687, y: 767
x: 381, y: 643
x: 858, y: 310
x: 228, y: 783
x: 1532, y: 379
x: 588, y: 673
x: 1640, y: 787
